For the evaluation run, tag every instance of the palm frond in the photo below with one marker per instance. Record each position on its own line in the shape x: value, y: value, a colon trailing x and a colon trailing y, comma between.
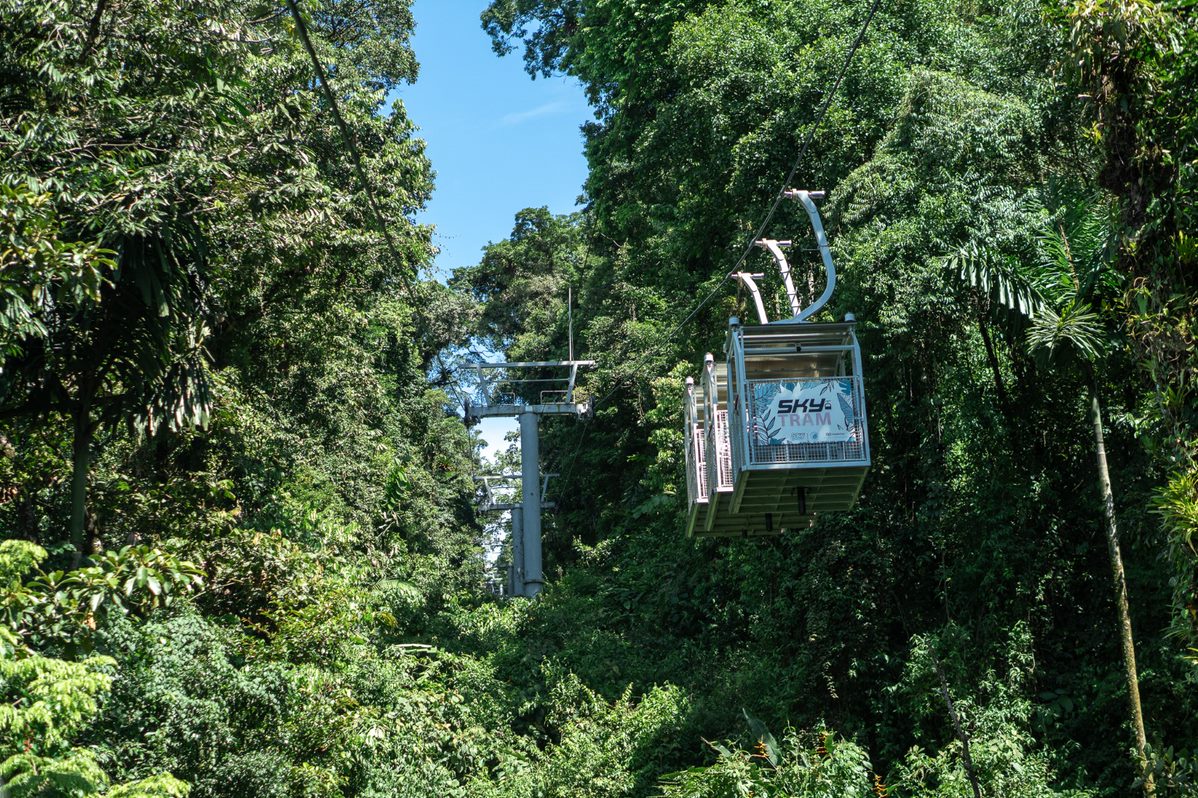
x: 1076, y: 249
x: 1076, y: 325
x: 1056, y: 287
x: 998, y: 278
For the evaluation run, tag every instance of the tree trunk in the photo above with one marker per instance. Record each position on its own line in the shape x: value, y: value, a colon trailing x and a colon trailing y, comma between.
x: 93, y: 30
x: 1129, y: 647
x: 81, y: 466
x: 1000, y: 386
x: 962, y: 735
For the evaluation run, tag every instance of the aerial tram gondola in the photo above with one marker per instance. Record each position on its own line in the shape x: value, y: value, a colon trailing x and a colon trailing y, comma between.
x: 778, y: 433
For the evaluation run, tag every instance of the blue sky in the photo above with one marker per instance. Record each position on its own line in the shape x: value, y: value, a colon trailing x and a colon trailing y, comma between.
x: 498, y: 140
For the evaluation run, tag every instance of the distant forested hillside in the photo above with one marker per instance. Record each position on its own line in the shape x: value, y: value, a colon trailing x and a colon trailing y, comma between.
x: 240, y: 549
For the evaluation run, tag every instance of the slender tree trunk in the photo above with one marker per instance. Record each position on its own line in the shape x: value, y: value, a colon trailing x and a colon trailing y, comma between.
x: 962, y: 735
x: 1129, y: 647
x: 81, y: 466
x: 93, y: 30
x: 1000, y: 385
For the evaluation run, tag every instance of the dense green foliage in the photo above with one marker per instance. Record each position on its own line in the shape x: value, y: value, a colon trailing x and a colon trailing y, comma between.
x: 241, y: 557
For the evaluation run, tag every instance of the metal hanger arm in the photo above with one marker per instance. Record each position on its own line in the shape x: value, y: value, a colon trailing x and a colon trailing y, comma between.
x: 755, y: 292
x: 821, y: 240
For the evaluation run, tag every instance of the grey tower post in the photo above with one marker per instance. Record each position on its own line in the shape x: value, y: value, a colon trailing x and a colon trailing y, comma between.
x: 522, y: 390
x: 517, y: 585
x: 530, y: 478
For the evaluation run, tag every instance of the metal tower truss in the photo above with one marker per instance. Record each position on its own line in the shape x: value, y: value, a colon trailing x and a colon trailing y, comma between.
x: 527, y: 391
x: 492, y: 484
x: 493, y: 500
x: 546, y: 388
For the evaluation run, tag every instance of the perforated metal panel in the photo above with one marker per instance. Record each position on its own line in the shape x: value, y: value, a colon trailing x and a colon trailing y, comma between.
x: 718, y: 454
x: 696, y: 464
x: 762, y: 452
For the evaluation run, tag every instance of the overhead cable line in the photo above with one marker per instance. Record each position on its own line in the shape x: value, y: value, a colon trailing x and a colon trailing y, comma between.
x: 355, y: 154
x: 794, y: 168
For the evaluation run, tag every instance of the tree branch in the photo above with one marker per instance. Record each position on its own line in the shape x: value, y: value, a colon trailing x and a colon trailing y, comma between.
x: 93, y: 30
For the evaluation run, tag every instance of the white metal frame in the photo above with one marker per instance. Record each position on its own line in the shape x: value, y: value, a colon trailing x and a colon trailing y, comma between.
x: 718, y: 456
x: 696, y: 449
x: 775, y: 247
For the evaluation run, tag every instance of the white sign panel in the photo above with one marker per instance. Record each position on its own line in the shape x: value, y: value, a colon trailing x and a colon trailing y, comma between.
x: 805, y: 411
